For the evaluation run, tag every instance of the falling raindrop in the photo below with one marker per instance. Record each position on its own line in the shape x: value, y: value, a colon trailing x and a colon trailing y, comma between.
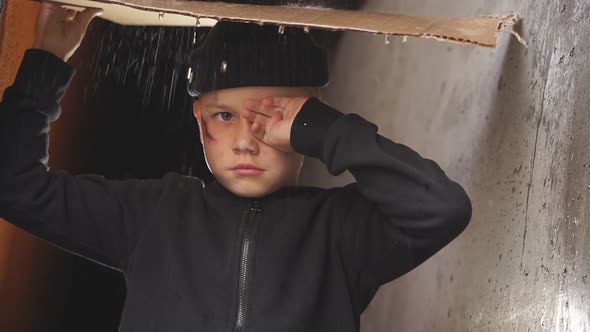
x: 189, y: 75
x: 172, y: 87
x: 281, y: 29
x: 137, y: 75
x: 145, y: 59
x: 223, y: 66
x: 387, y: 40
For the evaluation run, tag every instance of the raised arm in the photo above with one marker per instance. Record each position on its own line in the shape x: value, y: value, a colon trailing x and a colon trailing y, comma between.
x: 402, y: 208
x: 88, y: 215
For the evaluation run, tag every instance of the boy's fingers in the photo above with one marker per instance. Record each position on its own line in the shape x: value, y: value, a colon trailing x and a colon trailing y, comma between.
x: 254, y: 105
x: 275, y: 117
x: 257, y: 130
x: 265, y: 106
x: 70, y: 14
x: 271, y: 109
x: 50, y: 6
x: 262, y: 108
x: 55, y: 11
x: 254, y: 116
x: 85, y: 17
x: 281, y: 102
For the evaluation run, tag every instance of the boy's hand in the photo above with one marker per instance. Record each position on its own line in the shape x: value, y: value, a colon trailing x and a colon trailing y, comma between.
x: 60, y: 31
x: 272, y: 119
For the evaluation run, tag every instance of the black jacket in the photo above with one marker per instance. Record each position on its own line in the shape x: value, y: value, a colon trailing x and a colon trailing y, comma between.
x: 199, y: 258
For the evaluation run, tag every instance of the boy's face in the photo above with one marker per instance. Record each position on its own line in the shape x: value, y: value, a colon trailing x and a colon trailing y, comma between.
x: 240, y: 162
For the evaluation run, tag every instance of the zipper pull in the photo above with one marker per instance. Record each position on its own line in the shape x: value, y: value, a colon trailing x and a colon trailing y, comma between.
x: 255, y: 207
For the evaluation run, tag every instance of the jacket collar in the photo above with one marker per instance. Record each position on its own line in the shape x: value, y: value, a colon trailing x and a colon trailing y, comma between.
x: 218, y: 191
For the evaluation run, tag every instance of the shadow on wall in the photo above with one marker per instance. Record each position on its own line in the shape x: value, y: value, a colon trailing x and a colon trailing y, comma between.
x: 501, y: 177
x: 511, y: 124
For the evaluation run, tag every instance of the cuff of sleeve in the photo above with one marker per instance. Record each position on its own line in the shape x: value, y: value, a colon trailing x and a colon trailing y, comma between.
x: 310, y: 127
x: 43, y: 76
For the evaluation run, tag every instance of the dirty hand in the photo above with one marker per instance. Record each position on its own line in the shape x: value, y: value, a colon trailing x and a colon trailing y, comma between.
x: 272, y: 119
x: 60, y: 31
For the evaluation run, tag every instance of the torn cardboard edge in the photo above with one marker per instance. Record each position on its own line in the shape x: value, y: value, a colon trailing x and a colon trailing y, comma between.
x: 481, y: 31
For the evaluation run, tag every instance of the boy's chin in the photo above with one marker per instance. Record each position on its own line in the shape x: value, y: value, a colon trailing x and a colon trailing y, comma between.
x: 250, y: 187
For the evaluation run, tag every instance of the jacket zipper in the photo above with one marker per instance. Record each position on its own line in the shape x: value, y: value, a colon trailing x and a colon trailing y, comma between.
x: 250, y: 218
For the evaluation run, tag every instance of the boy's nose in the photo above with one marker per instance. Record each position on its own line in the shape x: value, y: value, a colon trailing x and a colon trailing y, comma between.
x: 244, y: 141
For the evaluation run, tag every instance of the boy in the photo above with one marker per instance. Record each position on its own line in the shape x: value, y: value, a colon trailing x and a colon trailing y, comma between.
x: 251, y: 251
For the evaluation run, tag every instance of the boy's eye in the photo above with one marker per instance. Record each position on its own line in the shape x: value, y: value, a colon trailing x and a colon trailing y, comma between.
x: 224, y: 116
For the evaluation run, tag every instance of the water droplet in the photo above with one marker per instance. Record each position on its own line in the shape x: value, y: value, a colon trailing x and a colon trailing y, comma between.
x: 194, y: 38
x: 189, y: 75
x: 387, y: 40
x: 281, y: 29
x: 223, y: 66
x: 161, y: 16
x: 404, y: 39
x: 306, y: 29
x: 198, y: 23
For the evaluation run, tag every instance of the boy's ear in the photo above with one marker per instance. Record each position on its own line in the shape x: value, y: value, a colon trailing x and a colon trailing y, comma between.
x: 197, y: 111
x: 197, y: 114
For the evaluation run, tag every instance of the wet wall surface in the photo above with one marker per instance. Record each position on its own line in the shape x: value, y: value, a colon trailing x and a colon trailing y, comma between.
x: 512, y: 125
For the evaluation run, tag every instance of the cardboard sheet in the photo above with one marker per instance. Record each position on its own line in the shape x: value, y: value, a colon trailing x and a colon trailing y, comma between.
x: 481, y: 31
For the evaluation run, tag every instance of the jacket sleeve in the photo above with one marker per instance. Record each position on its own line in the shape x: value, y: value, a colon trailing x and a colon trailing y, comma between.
x: 402, y: 208
x: 88, y: 215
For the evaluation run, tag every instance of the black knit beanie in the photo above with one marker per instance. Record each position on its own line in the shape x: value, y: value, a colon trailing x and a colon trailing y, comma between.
x: 245, y: 55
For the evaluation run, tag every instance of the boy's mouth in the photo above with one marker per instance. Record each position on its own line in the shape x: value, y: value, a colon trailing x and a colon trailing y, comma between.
x: 246, y: 169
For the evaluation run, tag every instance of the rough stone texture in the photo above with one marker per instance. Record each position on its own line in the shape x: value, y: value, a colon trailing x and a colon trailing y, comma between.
x: 512, y: 125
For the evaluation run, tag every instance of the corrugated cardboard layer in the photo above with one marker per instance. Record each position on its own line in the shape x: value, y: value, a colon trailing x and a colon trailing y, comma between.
x: 126, y: 15
x: 480, y: 31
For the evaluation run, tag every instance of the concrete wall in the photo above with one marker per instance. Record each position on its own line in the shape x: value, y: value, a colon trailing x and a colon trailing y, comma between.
x: 510, y: 124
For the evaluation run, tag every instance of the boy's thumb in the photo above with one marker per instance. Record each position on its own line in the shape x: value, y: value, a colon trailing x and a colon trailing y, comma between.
x: 275, y: 117
x: 85, y: 17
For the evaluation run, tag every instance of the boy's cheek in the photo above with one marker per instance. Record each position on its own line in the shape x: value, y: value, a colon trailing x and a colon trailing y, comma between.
x: 207, y: 135
x: 213, y: 129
